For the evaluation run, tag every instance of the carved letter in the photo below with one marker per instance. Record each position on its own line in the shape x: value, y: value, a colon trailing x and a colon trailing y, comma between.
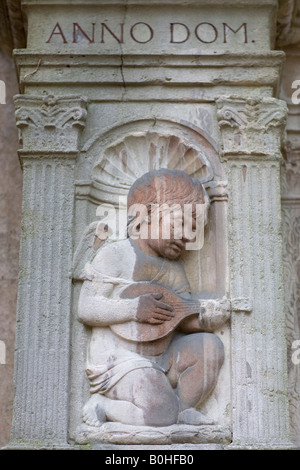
x: 60, y: 32
x: 226, y: 28
x: 77, y: 28
x: 121, y: 40
x: 137, y: 40
x: 214, y: 30
x: 172, y: 33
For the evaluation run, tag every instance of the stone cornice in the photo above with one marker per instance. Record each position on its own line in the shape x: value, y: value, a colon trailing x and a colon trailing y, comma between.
x: 129, y: 69
x: 28, y: 57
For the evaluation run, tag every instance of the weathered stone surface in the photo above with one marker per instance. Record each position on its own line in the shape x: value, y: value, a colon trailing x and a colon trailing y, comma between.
x: 51, y: 122
x: 153, y: 359
x: 252, y: 126
x: 43, y: 327
x: 256, y: 271
x: 10, y: 221
x: 116, y: 433
x: 290, y: 199
x: 164, y: 85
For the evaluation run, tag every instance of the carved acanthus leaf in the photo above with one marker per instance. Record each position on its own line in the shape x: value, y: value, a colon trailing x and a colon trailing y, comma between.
x: 50, y: 112
x: 251, y: 126
x: 251, y: 113
x: 49, y: 121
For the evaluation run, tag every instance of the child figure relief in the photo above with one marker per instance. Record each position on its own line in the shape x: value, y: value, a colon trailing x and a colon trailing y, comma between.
x: 153, y: 356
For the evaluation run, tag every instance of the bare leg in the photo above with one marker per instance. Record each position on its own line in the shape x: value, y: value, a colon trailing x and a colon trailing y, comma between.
x: 147, y: 397
x: 99, y: 407
x: 143, y: 397
x: 195, y: 361
x: 150, y: 391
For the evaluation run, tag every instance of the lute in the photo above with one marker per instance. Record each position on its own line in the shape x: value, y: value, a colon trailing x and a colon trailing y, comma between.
x: 144, y: 332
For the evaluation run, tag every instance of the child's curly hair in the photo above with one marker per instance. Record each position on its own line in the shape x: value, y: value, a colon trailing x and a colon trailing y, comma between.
x: 166, y: 186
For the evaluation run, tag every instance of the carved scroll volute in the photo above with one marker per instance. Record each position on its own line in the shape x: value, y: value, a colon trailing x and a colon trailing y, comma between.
x: 50, y: 123
x: 252, y: 126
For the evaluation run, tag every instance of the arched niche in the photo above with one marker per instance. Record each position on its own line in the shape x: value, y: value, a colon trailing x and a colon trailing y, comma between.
x: 112, y: 160
x: 108, y: 164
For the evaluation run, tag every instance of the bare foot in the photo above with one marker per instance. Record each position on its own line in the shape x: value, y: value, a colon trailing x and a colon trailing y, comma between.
x: 194, y: 417
x: 93, y: 411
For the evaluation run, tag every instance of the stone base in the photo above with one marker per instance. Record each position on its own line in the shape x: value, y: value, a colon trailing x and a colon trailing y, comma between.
x: 19, y: 444
x: 186, y: 448
x: 263, y: 446
x: 117, y: 433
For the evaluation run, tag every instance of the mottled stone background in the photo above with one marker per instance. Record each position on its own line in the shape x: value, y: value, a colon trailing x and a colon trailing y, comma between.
x: 10, y: 222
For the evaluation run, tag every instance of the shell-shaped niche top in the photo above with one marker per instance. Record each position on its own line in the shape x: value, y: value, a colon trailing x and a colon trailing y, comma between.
x: 123, y: 162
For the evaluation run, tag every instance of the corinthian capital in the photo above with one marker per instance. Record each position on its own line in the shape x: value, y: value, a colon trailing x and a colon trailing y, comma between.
x: 50, y: 122
x: 251, y: 126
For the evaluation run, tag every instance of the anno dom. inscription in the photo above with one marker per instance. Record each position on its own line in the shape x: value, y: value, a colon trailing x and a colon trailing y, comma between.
x: 143, y: 33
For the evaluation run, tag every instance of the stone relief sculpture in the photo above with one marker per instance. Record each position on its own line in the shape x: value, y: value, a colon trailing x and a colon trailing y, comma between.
x: 153, y: 356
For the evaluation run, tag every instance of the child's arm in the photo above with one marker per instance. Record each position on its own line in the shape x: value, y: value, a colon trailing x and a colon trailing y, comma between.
x: 99, y: 302
x: 98, y: 306
x: 95, y: 309
x: 212, y: 313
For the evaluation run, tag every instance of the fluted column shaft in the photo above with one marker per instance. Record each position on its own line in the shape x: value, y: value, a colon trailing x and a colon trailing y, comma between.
x: 252, y: 133
x: 49, y: 132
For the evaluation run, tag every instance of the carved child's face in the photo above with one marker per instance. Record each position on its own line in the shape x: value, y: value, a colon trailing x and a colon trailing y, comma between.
x: 169, y: 232
x: 168, y: 212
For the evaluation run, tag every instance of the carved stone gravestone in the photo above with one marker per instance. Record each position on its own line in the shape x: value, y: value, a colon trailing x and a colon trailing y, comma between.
x: 150, y: 306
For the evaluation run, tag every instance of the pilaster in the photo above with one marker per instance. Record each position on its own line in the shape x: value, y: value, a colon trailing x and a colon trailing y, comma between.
x: 252, y: 135
x: 50, y: 128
